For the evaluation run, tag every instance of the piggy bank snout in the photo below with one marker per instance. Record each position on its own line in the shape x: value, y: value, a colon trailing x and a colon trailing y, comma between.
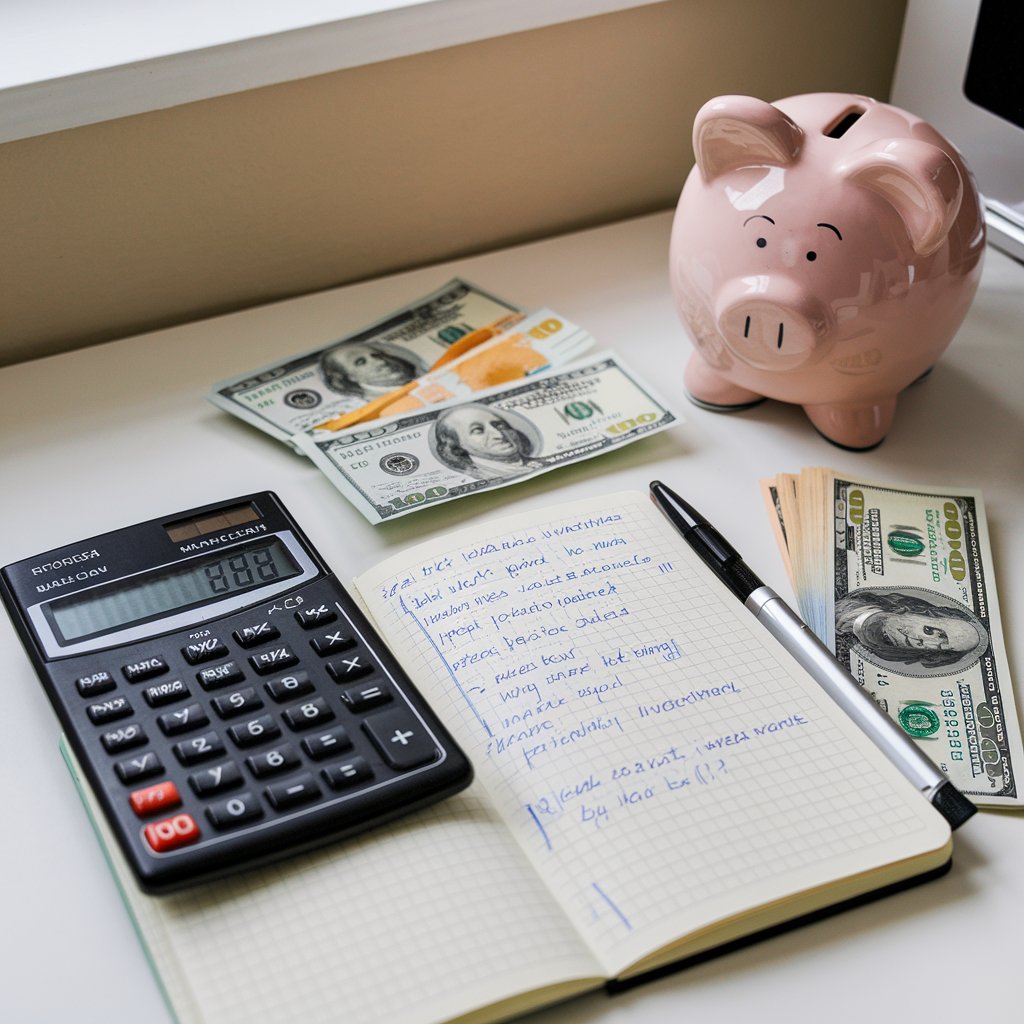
x: 771, y: 324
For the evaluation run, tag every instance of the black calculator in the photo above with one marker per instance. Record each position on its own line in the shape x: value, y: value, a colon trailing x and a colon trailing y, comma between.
x: 227, y: 699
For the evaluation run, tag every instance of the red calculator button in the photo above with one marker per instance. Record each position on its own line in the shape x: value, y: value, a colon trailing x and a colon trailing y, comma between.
x: 160, y: 797
x: 171, y: 833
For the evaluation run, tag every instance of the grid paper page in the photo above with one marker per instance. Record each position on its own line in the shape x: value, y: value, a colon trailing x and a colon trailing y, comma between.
x: 416, y: 923
x: 659, y: 757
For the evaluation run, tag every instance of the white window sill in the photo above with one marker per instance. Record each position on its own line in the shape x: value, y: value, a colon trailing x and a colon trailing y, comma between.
x: 65, y: 63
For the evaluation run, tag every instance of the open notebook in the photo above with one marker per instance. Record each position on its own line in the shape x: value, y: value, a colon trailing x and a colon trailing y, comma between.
x: 655, y: 778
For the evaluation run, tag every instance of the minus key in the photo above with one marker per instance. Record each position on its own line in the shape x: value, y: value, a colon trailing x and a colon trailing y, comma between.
x: 297, y: 790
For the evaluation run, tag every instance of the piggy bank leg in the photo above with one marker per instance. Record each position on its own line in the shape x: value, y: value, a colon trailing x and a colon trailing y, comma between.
x: 710, y: 390
x: 854, y: 426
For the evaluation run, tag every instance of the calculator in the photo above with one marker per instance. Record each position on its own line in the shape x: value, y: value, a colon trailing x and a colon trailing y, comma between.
x: 227, y: 700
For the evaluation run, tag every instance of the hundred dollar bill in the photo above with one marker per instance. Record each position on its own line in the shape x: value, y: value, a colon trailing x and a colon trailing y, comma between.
x: 295, y: 394
x: 518, y: 346
x: 394, y: 466
x: 912, y: 611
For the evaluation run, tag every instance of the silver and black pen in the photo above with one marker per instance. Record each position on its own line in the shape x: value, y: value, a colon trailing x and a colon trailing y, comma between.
x: 811, y: 654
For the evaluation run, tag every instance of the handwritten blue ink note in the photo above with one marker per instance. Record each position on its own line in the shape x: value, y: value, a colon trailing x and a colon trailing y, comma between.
x: 656, y: 755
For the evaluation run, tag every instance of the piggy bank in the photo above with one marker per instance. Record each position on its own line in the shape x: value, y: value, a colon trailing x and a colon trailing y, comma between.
x: 824, y: 251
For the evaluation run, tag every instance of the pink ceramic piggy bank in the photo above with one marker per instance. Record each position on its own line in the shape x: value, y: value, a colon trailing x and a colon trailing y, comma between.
x: 825, y: 250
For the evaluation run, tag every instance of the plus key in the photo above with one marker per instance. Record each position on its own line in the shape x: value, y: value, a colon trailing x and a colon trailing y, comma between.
x: 401, y: 739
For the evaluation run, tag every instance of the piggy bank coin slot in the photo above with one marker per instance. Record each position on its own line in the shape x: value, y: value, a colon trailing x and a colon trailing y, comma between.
x: 845, y: 123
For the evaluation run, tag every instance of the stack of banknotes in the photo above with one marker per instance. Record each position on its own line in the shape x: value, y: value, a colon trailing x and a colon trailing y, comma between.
x: 455, y: 393
x: 898, y: 582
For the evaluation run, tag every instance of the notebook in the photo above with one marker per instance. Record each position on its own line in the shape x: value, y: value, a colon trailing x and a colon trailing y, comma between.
x: 656, y: 779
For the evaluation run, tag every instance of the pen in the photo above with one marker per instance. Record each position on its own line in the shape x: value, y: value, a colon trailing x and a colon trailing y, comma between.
x: 811, y: 654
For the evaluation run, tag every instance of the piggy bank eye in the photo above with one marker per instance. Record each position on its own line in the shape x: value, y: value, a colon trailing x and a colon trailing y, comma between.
x: 762, y: 242
x: 812, y: 256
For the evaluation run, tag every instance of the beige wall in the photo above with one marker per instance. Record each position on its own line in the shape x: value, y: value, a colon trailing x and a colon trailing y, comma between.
x: 164, y: 217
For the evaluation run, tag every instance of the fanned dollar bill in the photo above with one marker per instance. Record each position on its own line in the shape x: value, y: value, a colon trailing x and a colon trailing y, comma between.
x: 898, y: 581
x: 294, y: 395
x: 516, y: 347
x: 504, y: 435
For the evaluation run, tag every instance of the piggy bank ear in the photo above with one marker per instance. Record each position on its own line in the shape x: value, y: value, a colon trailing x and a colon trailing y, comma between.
x: 740, y: 131
x: 918, y: 179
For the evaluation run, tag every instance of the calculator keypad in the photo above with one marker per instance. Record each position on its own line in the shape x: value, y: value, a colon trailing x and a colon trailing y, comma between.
x: 277, y: 714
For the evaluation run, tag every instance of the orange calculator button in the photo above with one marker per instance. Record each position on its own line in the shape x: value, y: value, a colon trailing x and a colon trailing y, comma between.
x: 169, y: 834
x: 162, y: 796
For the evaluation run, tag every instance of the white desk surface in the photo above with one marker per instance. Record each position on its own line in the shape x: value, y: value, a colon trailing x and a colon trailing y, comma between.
x: 97, y: 439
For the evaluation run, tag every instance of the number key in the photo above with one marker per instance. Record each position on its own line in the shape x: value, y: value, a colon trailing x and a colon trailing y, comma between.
x: 298, y: 684
x: 215, y: 779
x: 256, y: 730
x: 184, y: 719
x: 199, y: 748
x: 308, y: 715
x: 231, y: 704
x: 279, y: 759
x: 234, y: 810
x: 134, y: 769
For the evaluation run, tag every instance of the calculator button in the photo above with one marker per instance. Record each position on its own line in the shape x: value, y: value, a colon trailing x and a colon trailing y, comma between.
x: 354, y: 667
x: 109, y: 710
x: 144, y: 669
x: 273, y: 660
x: 400, y: 738
x: 235, y: 810
x: 257, y: 633
x: 161, y: 797
x: 183, y: 720
x: 165, y: 693
x: 135, y: 769
x: 171, y: 833
x: 95, y: 684
x: 215, y: 779
x: 231, y: 704
x: 366, y: 696
x: 297, y: 684
x: 256, y: 730
x: 346, y: 774
x: 295, y: 791
x: 308, y: 715
x: 124, y: 738
x: 272, y: 762
x: 199, y: 748
x: 220, y: 675
x: 332, y: 642
x: 310, y: 618
x: 327, y: 744
x: 204, y: 650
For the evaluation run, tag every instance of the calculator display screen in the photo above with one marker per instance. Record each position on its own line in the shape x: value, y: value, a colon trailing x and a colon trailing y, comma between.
x: 152, y: 595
